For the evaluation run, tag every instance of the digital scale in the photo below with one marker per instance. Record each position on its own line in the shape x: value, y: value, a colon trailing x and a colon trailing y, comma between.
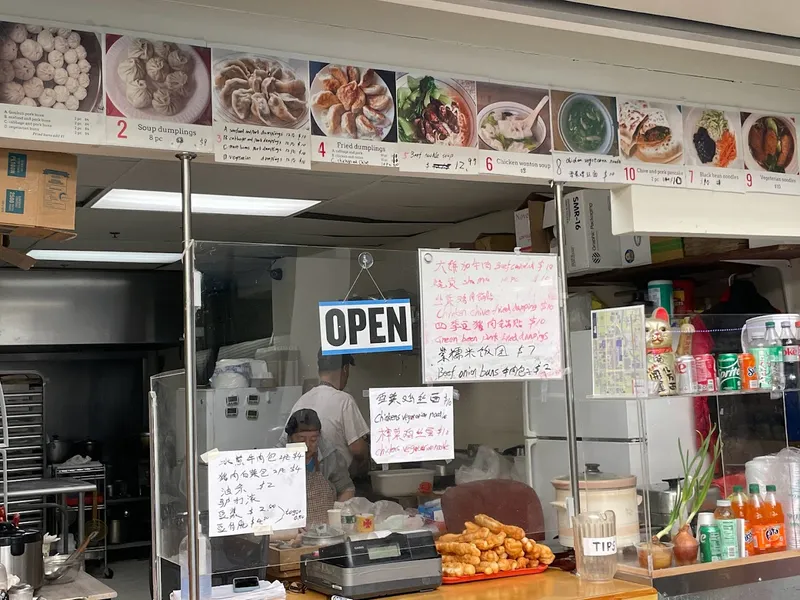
x: 396, y: 564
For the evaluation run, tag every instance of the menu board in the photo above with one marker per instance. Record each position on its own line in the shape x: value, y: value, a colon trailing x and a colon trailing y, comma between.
x: 436, y: 124
x: 266, y: 109
x: 353, y: 119
x: 411, y: 424
x: 158, y: 94
x: 51, y: 84
x: 619, y: 363
x: 256, y: 491
x: 489, y: 316
x: 261, y: 112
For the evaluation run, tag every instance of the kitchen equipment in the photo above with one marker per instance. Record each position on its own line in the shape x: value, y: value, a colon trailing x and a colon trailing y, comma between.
x: 21, y: 591
x: 400, y: 482
x: 115, y: 532
x: 322, y: 535
x: 600, y: 492
x: 90, y: 448
x: 57, y: 570
x: 58, y: 450
x: 396, y: 564
x: 595, y: 545
x: 21, y: 553
x: 96, y: 526
x: 663, y: 497
x: 72, y: 559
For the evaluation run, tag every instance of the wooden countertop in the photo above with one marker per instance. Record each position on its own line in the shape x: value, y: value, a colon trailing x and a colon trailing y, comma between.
x: 550, y: 585
x: 84, y: 586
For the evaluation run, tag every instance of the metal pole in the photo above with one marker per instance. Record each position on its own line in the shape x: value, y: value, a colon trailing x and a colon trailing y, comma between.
x: 189, y: 360
x: 566, y: 350
x: 155, y: 494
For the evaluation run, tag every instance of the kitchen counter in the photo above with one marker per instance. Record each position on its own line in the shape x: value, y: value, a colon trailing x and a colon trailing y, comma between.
x: 550, y: 585
x: 84, y: 587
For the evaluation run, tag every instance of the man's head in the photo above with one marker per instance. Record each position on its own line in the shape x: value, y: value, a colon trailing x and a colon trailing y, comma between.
x: 335, y: 368
x: 304, y: 426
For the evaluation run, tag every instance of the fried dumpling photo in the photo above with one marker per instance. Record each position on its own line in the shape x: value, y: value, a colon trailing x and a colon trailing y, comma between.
x: 352, y: 74
x: 382, y: 102
x: 349, y: 124
x: 359, y: 102
x: 365, y: 127
x: 325, y: 99
x: 330, y: 83
x: 339, y: 75
x: 335, y: 118
x: 373, y: 115
x: 279, y: 109
x: 368, y: 77
x: 348, y: 94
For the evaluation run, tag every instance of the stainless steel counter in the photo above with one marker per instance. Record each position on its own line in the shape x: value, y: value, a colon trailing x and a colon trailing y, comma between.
x: 85, y: 587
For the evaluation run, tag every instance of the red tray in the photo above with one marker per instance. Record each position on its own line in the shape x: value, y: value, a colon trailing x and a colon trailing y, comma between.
x: 500, y: 575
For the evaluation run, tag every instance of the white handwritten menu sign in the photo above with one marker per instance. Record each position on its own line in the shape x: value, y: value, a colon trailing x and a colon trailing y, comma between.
x: 261, y: 110
x: 437, y: 124
x: 411, y: 424
x: 489, y: 316
x: 50, y: 84
x: 158, y: 94
x: 256, y: 491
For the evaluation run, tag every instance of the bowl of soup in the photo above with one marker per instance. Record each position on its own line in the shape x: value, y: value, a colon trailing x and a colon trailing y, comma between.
x: 585, y: 125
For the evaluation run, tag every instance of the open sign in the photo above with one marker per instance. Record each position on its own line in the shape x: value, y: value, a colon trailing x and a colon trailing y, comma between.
x: 361, y: 326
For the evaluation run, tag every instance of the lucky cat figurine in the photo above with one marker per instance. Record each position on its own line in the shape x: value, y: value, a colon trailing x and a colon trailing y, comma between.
x: 660, y: 356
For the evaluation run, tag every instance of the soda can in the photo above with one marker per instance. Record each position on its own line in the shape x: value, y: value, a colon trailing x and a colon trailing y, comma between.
x: 687, y: 375
x: 730, y: 375
x: 709, y: 537
x: 748, y: 371
x: 706, y: 371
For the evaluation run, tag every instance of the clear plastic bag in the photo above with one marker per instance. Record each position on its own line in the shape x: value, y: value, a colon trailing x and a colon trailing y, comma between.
x: 488, y: 464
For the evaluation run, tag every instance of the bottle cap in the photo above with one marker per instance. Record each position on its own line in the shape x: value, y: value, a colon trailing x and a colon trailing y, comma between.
x: 724, y: 503
x: 770, y: 323
x: 705, y: 518
x: 771, y: 488
x: 785, y: 323
x: 754, y: 488
x: 737, y: 489
x: 797, y: 323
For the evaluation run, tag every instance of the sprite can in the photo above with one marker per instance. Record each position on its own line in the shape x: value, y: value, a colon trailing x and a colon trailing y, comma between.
x: 729, y: 372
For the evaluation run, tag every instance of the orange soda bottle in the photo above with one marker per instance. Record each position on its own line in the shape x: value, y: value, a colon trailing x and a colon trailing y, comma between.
x: 755, y: 538
x: 775, y: 533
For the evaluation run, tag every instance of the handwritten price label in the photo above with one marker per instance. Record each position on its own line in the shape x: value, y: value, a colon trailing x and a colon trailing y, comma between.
x: 711, y: 178
x: 534, y: 166
x: 661, y: 175
x: 121, y: 131
x: 582, y: 168
x: 49, y: 124
x: 771, y: 183
x: 354, y: 152
x: 262, y: 146
x: 449, y: 160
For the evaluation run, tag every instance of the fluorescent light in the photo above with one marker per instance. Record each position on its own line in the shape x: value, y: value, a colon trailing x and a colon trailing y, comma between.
x: 202, y: 203
x: 160, y: 258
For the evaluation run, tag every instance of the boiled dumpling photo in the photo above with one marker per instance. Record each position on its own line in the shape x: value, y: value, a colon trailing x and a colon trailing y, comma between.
x: 131, y: 69
x: 138, y: 94
x: 157, y: 68
x: 165, y: 102
x: 260, y: 90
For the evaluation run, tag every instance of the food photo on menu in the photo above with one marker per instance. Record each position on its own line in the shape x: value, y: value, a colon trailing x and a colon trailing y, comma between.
x: 771, y: 143
x: 650, y: 132
x: 155, y: 80
x: 353, y: 102
x: 584, y: 123
x: 432, y: 110
x: 51, y: 67
x: 513, y: 119
x: 713, y: 137
x: 260, y: 90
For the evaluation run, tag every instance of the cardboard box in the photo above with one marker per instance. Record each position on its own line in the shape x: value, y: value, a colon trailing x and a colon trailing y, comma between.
x: 663, y: 249
x: 590, y: 245
x: 634, y: 250
x: 39, y: 190
x: 496, y: 242
x: 529, y: 229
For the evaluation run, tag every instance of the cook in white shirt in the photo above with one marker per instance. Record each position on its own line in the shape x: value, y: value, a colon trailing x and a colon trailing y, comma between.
x: 343, y: 427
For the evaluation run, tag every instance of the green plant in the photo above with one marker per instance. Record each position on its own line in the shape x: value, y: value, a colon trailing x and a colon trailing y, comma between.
x: 697, y: 478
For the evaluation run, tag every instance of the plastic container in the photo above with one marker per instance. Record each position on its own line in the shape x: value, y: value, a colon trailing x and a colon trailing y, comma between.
x: 595, y: 545
x: 661, y: 554
x: 203, y: 562
x: 400, y: 482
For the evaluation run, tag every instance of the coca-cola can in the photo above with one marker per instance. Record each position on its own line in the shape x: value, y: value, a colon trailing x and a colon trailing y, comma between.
x: 687, y: 375
x: 705, y: 367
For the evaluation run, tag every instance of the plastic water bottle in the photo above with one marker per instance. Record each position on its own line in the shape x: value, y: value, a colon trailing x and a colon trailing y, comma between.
x: 773, y: 342
x: 203, y: 563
